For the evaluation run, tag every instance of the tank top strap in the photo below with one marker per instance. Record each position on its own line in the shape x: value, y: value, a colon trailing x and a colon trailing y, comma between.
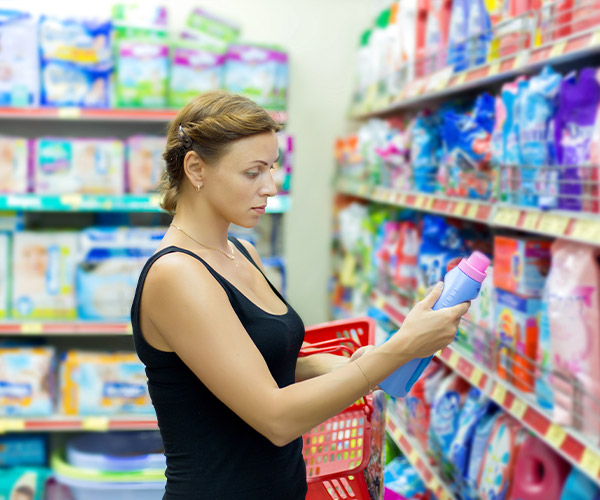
x: 243, y: 250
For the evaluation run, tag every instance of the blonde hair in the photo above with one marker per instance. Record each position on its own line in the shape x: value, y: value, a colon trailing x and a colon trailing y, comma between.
x: 208, y: 125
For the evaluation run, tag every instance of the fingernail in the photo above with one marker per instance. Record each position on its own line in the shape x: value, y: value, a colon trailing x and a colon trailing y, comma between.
x: 440, y: 285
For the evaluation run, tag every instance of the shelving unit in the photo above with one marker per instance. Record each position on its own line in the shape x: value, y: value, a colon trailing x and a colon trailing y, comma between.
x: 59, y: 423
x: 417, y: 457
x: 571, y: 444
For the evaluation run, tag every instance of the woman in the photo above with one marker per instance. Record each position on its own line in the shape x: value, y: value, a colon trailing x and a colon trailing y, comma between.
x: 219, y: 343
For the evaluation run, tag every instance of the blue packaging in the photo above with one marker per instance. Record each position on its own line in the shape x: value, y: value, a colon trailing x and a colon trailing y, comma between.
x: 425, y: 150
x: 479, y: 445
x: 457, y: 35
x: 23, y: 450
x: 24, y: 483
x: 543, y: 387
x: 579, y: 487
x: 461, y: 284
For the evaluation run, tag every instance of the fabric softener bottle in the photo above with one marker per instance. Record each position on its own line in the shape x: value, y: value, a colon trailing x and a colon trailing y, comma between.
x: 461, y: 284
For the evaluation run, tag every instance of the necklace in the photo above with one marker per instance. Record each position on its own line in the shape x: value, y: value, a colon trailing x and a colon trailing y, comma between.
x: 231, y: 256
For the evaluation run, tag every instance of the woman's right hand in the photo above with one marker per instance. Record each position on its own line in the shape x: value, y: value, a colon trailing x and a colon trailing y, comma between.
x: 425, y: 331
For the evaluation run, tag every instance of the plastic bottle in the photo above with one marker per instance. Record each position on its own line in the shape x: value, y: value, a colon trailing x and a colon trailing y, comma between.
x: 460, y: 285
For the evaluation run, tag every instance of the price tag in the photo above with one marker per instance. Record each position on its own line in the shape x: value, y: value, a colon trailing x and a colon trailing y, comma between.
x: 553, y: 224
x: 129, y: 328
x: 520, y: 60
x: 587, y: 230
x: 11, y: 425
x: 555, y: 435
x: 595, y: 39
x: 95, y: 424
x: 472, y: 211
x: 32, y: 328
x: 499, y: 394
x: 454, y: 359
x: 400, y: 199
x: 476, y: 376
x: 494, y: 68
x: 413, y: 456
x: 558, y: 49
x: 419, y: 201
x: 459, y: 208
x: 507, y: 217
x: 428, y: 203
x: 460, y: 78
x: 590, y: 463
x: 69, y: 113
x: 443, y: 78
x: 518, y: 408
x: 434, y: 485
x: 531, y: 220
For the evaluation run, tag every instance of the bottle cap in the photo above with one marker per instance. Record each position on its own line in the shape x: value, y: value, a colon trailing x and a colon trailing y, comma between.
x: 475, y: 266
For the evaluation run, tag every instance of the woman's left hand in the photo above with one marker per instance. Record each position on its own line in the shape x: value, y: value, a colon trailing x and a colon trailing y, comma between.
x: 361, y: 351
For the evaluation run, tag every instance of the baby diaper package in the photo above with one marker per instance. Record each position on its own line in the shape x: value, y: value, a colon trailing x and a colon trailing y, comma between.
x: 106, y: 276
x: 24, y: 483
x: 283, y: 175
x: 259, y: 73
x: 139, y: 20
x: 5, y: 274
x: 84, y: 166
x: 97, y: 383
x: 76, y: 62
x: 19, y: 85
x: 26, y: 381
x: 194, y: 69
x: 43, y: 275
x: 145, y: 163
x: 14, y: 164
x: 142, y: 74
x: 209, y: 30
x: 573, y: 308
x: 23, y: 449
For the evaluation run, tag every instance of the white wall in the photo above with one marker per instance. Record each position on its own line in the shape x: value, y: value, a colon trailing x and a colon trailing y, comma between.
x: 321, y: 37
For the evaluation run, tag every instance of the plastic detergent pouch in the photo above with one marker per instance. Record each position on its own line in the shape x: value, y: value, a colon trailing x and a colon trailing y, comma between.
x: 425, y: 152
x: 481, y: 436
x: 457, y: 35
x: 466, y: 138
x: 535, y: 109
x: 574, y: 310
x: 577, y: 107
x: 476, y: 405
x: 479, y: 27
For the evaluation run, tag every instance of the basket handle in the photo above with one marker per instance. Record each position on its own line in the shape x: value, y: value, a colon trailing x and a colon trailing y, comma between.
x: 339, y: 345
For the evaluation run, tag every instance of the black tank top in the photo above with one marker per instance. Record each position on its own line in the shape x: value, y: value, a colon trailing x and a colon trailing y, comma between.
x: 212, y: 454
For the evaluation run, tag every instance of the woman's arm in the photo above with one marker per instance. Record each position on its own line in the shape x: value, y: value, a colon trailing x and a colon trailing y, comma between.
x: 193, y: 315
x: 318, y: 364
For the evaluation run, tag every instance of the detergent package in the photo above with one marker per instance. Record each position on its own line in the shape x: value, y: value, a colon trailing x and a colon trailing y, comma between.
x: 14, y: 165
x: 145, y: 163
x: 19, y: 85
x: 26, y: 381
x: 466, y: 139
x: 574, y: 305
x: 259, y: 73
x: 479, y: 444
x: 483, y: 316
x: 457, y: 38
x: 142, y: 73
x: 43, y: 274
x: 425, y: 152
x: 24, y: 483
x: 84, y: 166
x: 107, y: 274
x: 536, y: 108
x: 543, y: 378
x: 194, y: 69
x: 578, y: 102
x: 96, y: 383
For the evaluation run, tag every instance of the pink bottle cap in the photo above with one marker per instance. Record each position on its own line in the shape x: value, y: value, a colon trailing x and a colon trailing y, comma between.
x: 474, y: 267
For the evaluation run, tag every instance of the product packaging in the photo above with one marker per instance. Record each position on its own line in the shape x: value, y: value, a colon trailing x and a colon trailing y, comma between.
x: 210, y: 30
x: 14, y: 165
x: 5, y: 274
x: 145, y: 163
x: 24, y: 483
x: 23, y: 450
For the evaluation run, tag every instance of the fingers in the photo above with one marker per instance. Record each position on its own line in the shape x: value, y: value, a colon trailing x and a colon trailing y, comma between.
x: 459, y: 310
x: 433, y: 295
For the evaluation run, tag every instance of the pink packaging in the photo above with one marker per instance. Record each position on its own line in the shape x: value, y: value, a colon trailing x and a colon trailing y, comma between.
x: 145, y: 163
x: 574, y: 312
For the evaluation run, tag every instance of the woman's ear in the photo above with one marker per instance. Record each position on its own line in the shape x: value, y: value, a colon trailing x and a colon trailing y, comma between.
x: 194, y: 168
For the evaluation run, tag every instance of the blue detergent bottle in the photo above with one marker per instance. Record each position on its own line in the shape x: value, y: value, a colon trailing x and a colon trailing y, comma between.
x: 461, y: 284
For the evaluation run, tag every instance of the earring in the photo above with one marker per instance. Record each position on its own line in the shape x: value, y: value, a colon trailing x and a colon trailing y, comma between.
x: 198, y: 188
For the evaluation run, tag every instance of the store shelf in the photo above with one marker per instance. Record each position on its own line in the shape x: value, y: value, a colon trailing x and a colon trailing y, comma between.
x: 572, y: 445
x: 445, y: 84
x: 102, y: 115
x: 64, y: 328
x: 417, y: 457
x: 577, y: 226
x: 103, y: 203
x: 59, y: 423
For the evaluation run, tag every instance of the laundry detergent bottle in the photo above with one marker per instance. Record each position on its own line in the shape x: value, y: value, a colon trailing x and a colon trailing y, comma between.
x: 461, y: 284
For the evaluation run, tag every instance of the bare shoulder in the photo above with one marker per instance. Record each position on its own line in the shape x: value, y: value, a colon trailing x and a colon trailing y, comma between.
x: 252, y: 251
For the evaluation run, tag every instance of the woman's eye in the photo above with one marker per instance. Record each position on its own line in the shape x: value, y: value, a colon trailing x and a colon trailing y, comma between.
x: 252, y: 174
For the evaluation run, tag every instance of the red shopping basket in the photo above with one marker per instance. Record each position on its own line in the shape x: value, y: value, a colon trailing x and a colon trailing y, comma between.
x: 337, y: 451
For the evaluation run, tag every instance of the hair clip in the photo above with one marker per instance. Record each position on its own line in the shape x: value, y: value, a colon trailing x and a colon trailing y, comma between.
x: 183, y: 137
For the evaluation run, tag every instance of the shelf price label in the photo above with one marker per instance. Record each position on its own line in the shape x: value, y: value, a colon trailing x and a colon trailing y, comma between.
x: 71, y: 200
x: 556, y: 435
x: 494, y: 68
x: 558, y: 49
x: 520, y: 60
x: 69, y: 113
x: 419, y: 201
x: 595, y: 39
x: 453, y: 359
x: 507, y: 217
x: 553, y: 224
x: 531, y: 220
x: 32, y: 328
x: 95, y: 424
x: 459, y: 208
x: 499, y: 394
x: 460, y: 78
x: 590, y: 463
x: 11, y: 425
x: 518, y: 408
x: 472, y: 211
x: 413, y: 456
x: 476, y: 376
x: 587, y: 230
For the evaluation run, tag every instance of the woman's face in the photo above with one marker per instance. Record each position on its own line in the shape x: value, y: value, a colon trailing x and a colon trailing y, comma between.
x: 239, y: 185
